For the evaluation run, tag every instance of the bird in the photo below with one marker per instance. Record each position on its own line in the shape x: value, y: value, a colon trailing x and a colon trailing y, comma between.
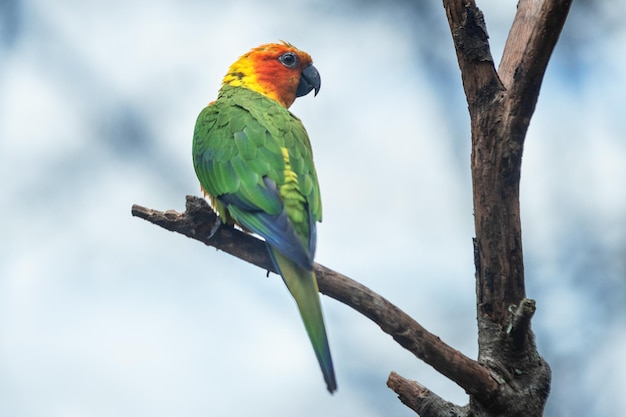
x: 254, y: 161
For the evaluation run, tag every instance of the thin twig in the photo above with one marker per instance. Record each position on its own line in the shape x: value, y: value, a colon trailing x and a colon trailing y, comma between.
x: 422, y: 400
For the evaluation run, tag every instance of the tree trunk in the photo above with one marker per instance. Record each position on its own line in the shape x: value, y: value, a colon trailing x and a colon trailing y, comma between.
x: 500, y: 105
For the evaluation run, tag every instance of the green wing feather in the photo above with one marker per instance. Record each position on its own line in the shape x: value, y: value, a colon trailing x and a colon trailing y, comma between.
x: 237, y: 142
x: 254, y: 158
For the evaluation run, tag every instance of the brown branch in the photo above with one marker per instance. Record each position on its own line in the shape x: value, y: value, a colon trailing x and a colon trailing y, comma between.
x: 530, y: 43
x: 470, y: 375
x: 469, y: 33
x: 501, y: 104
x: 500, y: 112
x: 198, y: 221
x: 420, y: 399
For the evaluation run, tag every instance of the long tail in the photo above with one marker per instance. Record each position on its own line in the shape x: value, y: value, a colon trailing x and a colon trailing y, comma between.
x: 303, y: 287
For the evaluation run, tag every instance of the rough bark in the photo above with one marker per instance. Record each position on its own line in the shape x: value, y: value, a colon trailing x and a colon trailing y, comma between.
x: 422, y: 400
x: 509, y: 378
x: 500, y: 105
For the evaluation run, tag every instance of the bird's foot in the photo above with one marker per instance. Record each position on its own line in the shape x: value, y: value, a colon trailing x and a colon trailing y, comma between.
x: 216, y: 226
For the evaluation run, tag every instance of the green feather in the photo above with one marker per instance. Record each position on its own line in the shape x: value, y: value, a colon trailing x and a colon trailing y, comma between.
x: 243, y: 132
x: 302, y: 285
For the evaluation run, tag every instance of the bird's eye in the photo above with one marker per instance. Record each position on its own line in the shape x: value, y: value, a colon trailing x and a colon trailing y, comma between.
x: 288, y: 59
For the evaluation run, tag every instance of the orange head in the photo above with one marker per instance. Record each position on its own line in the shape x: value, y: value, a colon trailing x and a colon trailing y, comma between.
x: 279, y: 71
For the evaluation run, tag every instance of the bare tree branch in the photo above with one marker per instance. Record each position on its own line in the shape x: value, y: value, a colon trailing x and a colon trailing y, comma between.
x: 530, y: 43
x: 471, y: 41
x: 423, y: 401
x: 500, y: 105
x: 500, y: 112
x: 199, y: 219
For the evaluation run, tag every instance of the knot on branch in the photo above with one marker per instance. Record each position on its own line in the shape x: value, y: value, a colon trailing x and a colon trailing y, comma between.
x: 422, y: 400
x: 519, y: 322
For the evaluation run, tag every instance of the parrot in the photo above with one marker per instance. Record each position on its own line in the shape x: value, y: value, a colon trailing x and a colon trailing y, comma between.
x: 254, y: 162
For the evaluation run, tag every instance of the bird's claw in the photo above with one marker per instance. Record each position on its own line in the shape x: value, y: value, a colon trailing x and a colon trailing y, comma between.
x: 215, y: 228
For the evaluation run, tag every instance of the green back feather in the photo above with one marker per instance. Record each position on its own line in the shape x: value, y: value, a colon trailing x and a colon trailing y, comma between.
x: 238, y: 140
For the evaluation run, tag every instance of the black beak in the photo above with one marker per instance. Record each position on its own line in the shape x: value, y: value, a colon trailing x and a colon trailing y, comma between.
x: 309, y: 80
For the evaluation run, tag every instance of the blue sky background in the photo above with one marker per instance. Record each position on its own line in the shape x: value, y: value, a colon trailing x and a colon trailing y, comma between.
x: 102, y: 314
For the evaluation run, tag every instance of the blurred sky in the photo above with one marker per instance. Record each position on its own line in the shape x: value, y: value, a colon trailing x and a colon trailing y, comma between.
x: 102, y: 314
